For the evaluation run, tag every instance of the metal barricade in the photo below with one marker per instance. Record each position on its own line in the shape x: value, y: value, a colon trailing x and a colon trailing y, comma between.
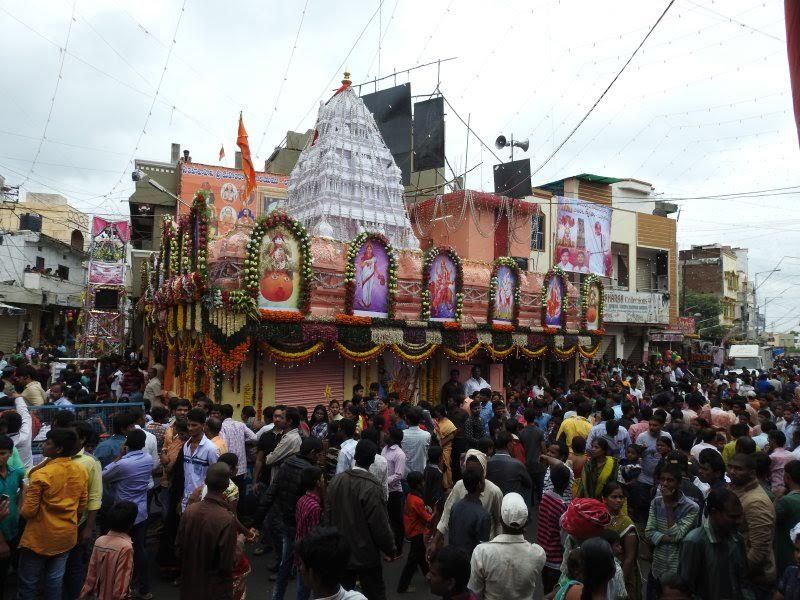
x: 99, y: 416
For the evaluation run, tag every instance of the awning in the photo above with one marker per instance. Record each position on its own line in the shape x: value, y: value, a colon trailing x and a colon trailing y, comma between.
x: 7, y: 309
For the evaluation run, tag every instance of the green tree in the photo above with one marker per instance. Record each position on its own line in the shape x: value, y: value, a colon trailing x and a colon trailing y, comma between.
x: 709, y: 307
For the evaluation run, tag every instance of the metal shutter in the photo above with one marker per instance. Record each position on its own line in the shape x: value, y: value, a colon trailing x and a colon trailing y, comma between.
x: 634, y: 348
x: 9, y: 333
x: 608, y: 347
x: 305, y: 385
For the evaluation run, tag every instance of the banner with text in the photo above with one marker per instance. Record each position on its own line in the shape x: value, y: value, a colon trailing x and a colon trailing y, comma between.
x: 622, y: 306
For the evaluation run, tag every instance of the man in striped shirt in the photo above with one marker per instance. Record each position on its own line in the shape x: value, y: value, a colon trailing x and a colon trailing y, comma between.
x: 672, y: 516
x: 548, y: 532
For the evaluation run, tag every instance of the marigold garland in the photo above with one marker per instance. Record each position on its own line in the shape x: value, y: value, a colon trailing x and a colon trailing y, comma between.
x: 414, y: 358
x: 589, y: 353
x: 350, y: 270
x: 464, y: 356
x: 280, y: 316
x: 359, y: 357
x: 222, y: 361
x: 252, y: 262
x: 427, y: 262
x: 452, y: 325
x: 284, y: 356
x: 563, y: 354
x: 505, y: 327
x: 504, y: 261
x: 554, y: 272
x: 499, y: 354
x: 353, y: 320
x: 538, y: 353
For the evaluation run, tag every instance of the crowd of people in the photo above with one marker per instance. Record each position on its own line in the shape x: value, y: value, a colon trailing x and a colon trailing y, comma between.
x: 636, y: 481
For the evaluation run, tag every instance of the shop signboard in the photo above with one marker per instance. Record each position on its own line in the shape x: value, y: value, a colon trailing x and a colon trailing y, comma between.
x: 621, y: 306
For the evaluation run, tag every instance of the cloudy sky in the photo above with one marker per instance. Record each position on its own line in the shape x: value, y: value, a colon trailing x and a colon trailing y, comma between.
x: 703, y: 110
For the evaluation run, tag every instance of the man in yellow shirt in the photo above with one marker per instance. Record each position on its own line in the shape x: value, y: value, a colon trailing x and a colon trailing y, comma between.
x: 578, y: 425
x: 54, y: 500
x: 76, y: 561
x: 32, y: 392
x: 212, y: 431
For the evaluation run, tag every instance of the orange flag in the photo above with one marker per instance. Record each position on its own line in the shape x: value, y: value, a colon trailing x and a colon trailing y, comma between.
x: 221, y: 152
x: 247, y: 162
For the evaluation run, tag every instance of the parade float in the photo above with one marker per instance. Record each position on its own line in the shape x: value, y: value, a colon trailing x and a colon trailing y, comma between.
x: 343, y: 283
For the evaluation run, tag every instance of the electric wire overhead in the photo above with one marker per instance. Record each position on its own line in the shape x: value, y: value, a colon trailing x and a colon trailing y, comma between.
x: 54, y: 96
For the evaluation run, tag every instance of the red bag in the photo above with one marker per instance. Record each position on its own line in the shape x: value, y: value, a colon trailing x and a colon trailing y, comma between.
x: 585, y: 518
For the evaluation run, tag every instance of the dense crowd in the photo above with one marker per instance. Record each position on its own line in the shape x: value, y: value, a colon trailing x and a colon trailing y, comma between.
x: 636, y: 481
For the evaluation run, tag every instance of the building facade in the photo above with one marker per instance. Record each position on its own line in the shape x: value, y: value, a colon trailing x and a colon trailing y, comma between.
x: 45, y: 278
x: 641, y: 294
x: 716, y: 269
x: 56, y: 217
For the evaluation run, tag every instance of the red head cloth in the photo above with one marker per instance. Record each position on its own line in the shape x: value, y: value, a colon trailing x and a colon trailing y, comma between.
x: 585, y: 518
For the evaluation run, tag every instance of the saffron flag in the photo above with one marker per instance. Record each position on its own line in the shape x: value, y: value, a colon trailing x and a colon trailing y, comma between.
x: 247, y: 162
x: 221, y: 152
x: 792, y: 9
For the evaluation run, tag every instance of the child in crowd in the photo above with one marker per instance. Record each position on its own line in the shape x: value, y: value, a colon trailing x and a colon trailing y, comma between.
x: 111, y: 564
x: 470, y: 524
x: 631, y: 467
x: 548, y: 532
x: 416, y: 522
x: 434, y: 491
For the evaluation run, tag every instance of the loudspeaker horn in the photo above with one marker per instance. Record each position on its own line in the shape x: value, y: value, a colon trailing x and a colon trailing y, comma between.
x: 524, y: 145
x: 500, y: 142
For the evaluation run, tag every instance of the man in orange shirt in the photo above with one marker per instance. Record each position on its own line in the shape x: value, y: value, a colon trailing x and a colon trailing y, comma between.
x: 53, y: 502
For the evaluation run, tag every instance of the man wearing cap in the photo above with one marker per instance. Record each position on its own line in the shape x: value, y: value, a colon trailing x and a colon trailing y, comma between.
x: 508, y: 566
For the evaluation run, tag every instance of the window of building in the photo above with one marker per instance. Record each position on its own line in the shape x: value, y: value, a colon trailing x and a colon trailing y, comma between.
x: 40, y: 262
x: 537, y: 232
x: 62, y: 272
x: 620, y: 266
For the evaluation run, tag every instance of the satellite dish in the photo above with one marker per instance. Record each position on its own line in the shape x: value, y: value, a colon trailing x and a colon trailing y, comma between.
x: 501, y: 142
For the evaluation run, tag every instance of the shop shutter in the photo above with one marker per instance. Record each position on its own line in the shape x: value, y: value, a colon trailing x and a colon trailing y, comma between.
x: 305, y: 385
x: 9, y: 333
x: 608, y: 347
x: 634, y: 347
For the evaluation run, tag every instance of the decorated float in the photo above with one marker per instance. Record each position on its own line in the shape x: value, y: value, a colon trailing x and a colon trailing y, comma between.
x: 343, y: 284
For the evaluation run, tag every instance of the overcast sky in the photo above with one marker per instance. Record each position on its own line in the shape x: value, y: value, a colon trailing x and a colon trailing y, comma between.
x: 703, y: 109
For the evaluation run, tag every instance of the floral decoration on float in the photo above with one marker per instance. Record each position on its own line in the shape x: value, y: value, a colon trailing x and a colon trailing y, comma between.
x: 271, y: 271
x: 445, y: 290
x: 504, y: 292
x: 368, y: 269
x: 555, y: 301
x: 592, y: 305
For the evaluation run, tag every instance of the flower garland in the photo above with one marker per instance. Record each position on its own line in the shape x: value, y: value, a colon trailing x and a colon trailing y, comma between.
x: 199, y: 215
x: 592, y: 280
x: 252, y: 262
x: 414, y: 358
x: 464, y: 356
x: 169, y: 246
x: 504, y: 261
x: 554, y: 272
x: 280, y: 316
x: 286, y: 357
x: 359, y: 357
x: 563, y: 354
x: 225, y: 362
x: 427, y: 262
x: 354, y: 320
x: 350, y: 270
x: 589, y: 353
x: 537, y: 353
